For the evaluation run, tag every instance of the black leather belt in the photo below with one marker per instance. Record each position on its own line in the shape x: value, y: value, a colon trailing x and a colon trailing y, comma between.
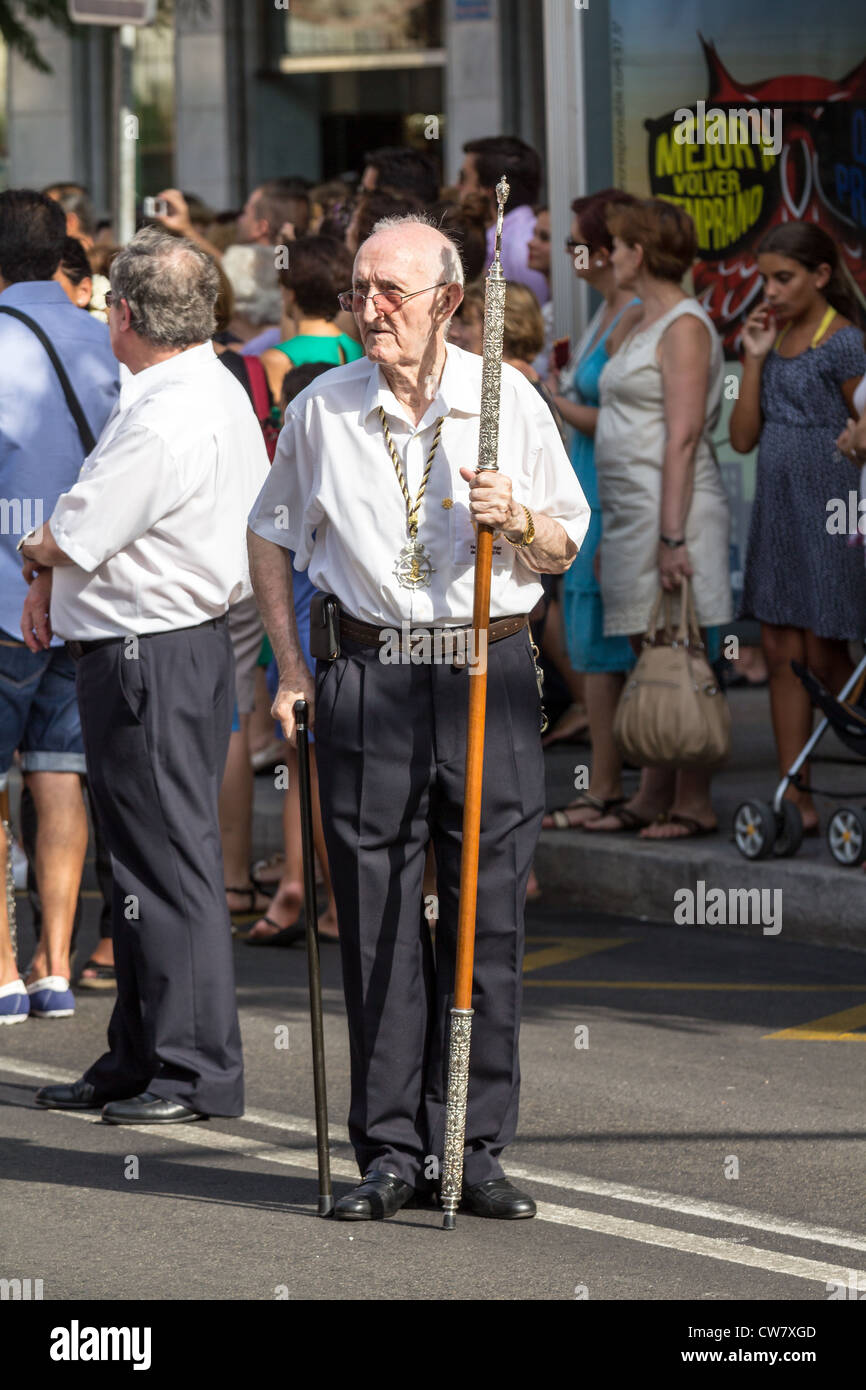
x: 371, y: 635
x: 79, y: 649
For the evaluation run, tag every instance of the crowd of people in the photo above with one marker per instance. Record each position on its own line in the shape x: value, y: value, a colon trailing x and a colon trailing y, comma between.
x: 288, y: 288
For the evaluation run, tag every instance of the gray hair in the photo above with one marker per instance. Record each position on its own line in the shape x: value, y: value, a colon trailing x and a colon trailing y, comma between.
x: 252, y: 273
x: 74, y: 197
x: 452, y: 266
x: 171, y: 288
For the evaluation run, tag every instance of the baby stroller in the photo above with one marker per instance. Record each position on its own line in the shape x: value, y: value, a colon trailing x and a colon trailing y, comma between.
x: 761, y: 829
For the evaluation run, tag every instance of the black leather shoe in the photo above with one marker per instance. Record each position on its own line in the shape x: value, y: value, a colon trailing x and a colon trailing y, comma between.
x: 78, y: 1096
x: 380, y: 1195
x: 498, y: 1198
x: 148, y: 1109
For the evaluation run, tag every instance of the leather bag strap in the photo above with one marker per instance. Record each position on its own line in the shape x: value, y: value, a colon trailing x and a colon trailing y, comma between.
x: 88, y: 439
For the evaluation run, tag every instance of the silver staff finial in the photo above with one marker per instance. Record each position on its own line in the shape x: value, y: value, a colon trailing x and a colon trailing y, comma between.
x: 503, y: 189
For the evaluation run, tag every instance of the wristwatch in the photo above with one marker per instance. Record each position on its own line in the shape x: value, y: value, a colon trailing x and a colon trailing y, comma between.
x: 671, y: 543
x: 528, y: 535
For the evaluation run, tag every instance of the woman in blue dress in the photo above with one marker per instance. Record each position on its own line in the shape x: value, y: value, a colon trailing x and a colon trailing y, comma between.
x: 603, y: 660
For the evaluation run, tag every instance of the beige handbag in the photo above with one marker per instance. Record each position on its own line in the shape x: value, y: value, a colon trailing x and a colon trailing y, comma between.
x: 672, y: 712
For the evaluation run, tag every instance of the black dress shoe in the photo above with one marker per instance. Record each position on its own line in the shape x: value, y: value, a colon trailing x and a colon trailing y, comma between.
x: 148, y: 1109
x: 378, y: 1196
x: 78, y: 1096
x: 498, y: 1198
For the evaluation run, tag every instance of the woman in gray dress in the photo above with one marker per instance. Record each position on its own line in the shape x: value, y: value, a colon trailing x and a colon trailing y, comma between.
x: 665, y: 511
x: 804, y: 579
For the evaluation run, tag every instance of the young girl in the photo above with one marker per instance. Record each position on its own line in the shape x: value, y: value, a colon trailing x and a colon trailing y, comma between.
x: 803, y: 360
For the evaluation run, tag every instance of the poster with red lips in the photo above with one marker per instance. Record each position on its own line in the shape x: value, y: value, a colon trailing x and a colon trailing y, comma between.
x: 762, y: 150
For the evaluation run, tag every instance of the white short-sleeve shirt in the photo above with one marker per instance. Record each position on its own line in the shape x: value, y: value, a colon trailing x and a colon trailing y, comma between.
x: 333, y: 497
x: 155, y: 523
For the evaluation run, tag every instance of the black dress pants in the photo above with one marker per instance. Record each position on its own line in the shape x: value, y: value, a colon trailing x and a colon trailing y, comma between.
x: 156, y: 721
x: 390, y: 748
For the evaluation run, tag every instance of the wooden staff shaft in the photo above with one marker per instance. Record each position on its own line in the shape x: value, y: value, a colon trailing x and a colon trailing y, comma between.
x: 474, y: 775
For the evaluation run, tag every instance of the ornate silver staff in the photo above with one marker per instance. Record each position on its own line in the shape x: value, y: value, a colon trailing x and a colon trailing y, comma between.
x: 10, y: 877
x: 461, y: 1013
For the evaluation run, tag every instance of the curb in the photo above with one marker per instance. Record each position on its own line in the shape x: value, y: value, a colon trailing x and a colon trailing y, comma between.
x: 822, y: 903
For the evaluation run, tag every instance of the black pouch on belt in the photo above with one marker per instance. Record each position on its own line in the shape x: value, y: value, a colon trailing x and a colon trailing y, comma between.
x: 325, y: 627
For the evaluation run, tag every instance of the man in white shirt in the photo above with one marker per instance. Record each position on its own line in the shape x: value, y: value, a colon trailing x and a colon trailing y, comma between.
x: 139, y: 563
x: 373, y: 488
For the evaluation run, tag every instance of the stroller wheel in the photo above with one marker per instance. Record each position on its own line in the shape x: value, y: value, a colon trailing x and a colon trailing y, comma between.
x: 755, y: 829
x: 789, y: 834
x: 846, y: 836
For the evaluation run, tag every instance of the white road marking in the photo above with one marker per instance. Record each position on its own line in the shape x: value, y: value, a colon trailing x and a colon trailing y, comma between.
x: 570, y: 1182
x: 710, y: 1247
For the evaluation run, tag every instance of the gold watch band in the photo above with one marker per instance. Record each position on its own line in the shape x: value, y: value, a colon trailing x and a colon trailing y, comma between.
x: 529, y: 532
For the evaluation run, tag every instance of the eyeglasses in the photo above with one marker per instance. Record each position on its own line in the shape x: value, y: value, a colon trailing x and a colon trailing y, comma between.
x: 384, y: 301
x: 112, y: 300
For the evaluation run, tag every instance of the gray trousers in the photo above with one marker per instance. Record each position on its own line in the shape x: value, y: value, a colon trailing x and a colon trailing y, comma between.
x: 156, y: 730
x: 390, y: 746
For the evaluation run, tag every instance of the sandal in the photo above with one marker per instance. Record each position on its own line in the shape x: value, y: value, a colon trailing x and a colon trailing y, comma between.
x: 268, y: 886
x: 283, y: 936
x: 250, y: 893
x: 563, y: 733
x: 693, y: 827
x: 628, y: 820
x: 584, y: 800
x: 103, y: 976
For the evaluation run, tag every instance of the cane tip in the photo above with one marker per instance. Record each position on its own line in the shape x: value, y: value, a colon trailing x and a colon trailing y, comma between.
x: 326, y: 1205
x: 449, y: 1221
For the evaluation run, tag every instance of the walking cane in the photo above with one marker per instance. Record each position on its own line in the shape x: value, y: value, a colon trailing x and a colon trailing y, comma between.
x: 323, y: 1153
x: 461, y: 1013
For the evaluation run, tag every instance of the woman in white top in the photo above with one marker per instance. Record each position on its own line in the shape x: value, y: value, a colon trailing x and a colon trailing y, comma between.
x: 665, y: 511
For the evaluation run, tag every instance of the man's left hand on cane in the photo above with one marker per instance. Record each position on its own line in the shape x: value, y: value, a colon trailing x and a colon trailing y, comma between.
x: 491, y: 502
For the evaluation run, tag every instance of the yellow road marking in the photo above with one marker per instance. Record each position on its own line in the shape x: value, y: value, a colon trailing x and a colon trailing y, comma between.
x: 570, y: 948
x: 832, y: 1028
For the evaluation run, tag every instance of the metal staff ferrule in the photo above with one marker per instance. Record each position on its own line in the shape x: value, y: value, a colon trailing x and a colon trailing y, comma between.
x: 10, y: 890
x: 455, y: 1114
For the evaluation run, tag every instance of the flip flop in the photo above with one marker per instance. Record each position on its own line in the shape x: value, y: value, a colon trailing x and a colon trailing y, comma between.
x: 283, y: 936
x: 104, y: 977
x: 585, y: 800
x: 628, y: 821
x: 694, y: 827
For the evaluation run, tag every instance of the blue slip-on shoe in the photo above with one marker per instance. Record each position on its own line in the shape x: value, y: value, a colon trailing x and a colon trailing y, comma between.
x: 51, y: 997
x: 14, y: 1002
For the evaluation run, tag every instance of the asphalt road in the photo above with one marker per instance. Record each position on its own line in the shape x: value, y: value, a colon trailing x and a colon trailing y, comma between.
x: 683, y: 1139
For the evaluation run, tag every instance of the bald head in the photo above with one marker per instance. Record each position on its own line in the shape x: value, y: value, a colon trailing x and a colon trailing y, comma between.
x: 417, y: 261
x: 417, y: 244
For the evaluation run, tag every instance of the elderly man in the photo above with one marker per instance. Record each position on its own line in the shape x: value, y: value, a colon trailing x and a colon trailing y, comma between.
x: 146, y: 552
x: 374, y: 491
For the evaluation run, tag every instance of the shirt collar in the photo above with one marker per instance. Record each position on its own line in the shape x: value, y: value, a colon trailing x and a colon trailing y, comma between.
x: 177, y: 368
x: 35, y: 292
x: 459, y: 391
